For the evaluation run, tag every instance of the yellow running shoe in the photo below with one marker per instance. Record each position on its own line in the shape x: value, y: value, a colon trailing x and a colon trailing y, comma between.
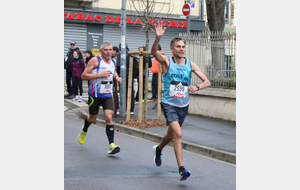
x: 81, y: 136
x: 113, y: 149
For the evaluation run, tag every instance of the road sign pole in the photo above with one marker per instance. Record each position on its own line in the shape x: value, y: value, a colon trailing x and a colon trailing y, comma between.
x: 188, y: 20
x: 186, y: 10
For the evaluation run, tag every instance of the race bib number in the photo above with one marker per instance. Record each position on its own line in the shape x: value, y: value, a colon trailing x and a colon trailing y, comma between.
x: 178, y: 89
x: 106, y: 87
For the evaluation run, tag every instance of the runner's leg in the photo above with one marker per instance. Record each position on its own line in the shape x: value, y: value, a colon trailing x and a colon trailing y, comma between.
x: 177, y: 135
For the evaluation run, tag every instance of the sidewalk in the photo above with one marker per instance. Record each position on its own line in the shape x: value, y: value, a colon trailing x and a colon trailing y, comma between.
x: 208, y: 136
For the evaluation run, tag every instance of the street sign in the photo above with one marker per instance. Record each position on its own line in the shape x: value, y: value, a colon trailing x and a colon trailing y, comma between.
x: 186, y: 9
x: 192, y: 4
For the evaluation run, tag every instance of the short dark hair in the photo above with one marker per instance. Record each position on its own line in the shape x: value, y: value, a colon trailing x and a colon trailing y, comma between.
x: 159, y: 47
x: 144, y: 48
x: 176, y: 39
x: 116, y: 48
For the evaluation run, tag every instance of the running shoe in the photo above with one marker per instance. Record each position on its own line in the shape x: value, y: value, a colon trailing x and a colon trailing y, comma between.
x: 74, y: 99
x: 184, y: 175
x: 157, y: 156
x: 113, y: 149
x: 81, y: 136
x: 80, y: 99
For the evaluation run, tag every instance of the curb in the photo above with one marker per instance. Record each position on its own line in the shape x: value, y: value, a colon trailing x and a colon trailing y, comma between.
x: 196, y: 148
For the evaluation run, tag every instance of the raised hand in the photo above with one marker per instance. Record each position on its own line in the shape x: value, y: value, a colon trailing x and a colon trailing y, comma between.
x: 159, y: 30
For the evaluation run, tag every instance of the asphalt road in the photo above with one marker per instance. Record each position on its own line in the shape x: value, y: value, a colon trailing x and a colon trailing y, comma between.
x: 89, y: 166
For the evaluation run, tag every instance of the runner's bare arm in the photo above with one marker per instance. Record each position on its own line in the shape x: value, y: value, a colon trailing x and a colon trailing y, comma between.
x: 93, y: 63
x: 198, y: 72
x: 158, y: 56
x: 159, y: 31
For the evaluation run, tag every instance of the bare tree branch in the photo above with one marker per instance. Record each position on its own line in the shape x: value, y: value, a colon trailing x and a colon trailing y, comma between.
x: 144, y: 10
x: 140, y: 8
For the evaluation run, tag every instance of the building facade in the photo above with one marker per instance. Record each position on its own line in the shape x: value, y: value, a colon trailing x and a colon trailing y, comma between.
x: 230, y: 10
x: 91, y: 22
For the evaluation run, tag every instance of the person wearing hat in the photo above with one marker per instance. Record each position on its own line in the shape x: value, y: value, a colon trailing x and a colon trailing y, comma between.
x: 68, y: 67
x: 88, y: 55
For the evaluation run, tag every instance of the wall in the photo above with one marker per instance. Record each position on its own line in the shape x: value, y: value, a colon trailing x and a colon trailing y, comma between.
x: 214, y: 102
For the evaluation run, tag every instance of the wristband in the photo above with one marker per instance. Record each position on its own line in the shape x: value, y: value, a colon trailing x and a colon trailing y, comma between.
x: 198, y: 87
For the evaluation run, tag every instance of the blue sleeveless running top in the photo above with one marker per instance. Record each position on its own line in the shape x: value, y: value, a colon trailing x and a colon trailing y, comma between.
x: 102, y: 87
x: 176, y: 83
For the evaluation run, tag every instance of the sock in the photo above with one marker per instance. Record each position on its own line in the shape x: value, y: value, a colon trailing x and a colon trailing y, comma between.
x: 110, y: 133
x: 181, y: 170
x: 86, y: 125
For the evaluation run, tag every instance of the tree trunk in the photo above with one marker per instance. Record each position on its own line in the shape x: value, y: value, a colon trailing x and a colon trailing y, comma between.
x: 216, y: 21
x: 217, y: 50
x: 215, y: 14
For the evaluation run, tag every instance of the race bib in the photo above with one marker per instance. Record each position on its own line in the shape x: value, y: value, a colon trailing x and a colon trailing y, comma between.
x: 106, y: 87
x: 178, y: 89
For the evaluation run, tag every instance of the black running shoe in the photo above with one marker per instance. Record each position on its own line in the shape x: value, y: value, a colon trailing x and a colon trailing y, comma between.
x: 184, y: 175
x: 157, y: 156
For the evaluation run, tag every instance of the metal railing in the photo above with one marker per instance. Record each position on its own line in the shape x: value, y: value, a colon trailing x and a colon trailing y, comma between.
x: 215, y: 54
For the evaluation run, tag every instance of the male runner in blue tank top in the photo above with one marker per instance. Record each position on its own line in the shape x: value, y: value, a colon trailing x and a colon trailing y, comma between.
x: 177, y: 72
x: 100, y: 71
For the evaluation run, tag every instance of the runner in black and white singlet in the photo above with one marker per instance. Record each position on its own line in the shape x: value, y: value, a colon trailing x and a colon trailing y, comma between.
x: 175, y: 103
x: 100, y: 71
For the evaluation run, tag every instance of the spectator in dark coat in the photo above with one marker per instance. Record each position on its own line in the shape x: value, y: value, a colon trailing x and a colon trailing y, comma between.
x: 67, y: 66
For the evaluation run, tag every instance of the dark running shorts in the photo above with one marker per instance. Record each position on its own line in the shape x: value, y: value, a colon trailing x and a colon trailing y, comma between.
x: 94, y: 104
x: 172, y: 113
